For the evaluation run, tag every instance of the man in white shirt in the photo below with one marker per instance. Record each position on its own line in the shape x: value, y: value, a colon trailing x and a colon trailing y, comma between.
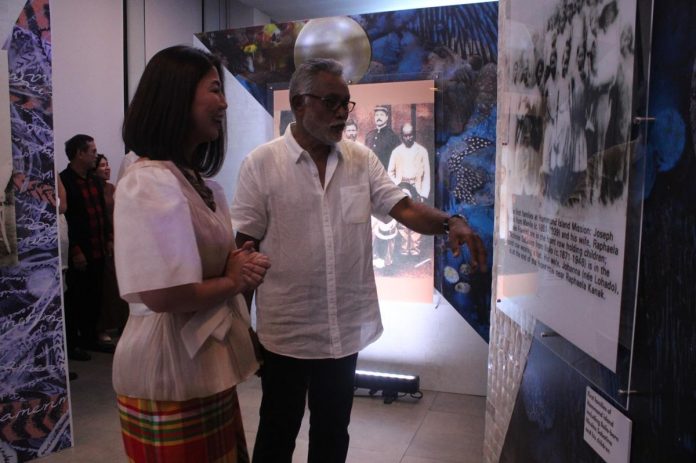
x: 409, y: 163
x: 351, y: 130
x: 305, y: 199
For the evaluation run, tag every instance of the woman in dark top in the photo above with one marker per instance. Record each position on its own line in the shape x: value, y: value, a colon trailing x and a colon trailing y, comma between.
x: 114, y: 309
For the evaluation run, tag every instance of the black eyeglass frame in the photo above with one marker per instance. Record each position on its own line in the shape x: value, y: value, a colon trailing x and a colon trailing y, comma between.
x: 332, y: 103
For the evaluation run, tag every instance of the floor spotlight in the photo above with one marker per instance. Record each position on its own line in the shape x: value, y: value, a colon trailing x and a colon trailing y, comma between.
x: 390, y: 384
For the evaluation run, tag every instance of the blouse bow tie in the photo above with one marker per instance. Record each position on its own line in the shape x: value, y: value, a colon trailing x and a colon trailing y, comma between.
x: 215, y: 322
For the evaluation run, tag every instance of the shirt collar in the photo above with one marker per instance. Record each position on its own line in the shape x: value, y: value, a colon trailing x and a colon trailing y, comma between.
x: 295, y: 150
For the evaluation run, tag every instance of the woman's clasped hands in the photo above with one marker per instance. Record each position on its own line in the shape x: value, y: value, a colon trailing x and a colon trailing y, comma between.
x: 246, y: 267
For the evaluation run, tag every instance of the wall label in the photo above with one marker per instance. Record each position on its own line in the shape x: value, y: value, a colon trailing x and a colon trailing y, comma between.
x: 607, y: 430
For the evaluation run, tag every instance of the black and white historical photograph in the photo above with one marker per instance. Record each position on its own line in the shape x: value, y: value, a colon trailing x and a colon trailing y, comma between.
x: 570, y: 69
x: 564, y: 150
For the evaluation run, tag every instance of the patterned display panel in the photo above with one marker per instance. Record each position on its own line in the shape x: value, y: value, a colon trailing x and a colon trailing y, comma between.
x: 34, y: 405
x: 664, y: 353
x: 456, y: 46
x: 546, y: 425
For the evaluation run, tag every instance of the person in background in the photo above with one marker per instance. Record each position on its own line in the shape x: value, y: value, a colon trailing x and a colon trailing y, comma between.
x: 351, y: 130
x: 114, y: 309
x: 91, y: 241
x: 186, y: 344
x: 305, y: 199
x: 102, y: 172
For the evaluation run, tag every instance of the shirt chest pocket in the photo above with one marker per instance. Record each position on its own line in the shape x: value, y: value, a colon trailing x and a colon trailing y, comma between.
x: 355, y: 203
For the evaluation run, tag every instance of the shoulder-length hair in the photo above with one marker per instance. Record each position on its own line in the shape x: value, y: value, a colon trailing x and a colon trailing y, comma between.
x: 158, y: 120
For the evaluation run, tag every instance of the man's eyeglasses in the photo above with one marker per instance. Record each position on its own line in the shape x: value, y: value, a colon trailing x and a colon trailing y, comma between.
x: 332, y: 103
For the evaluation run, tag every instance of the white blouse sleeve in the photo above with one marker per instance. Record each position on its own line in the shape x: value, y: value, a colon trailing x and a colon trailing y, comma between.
x: 154, y: 241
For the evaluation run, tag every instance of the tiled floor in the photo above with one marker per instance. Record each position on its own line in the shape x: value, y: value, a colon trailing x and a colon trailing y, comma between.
x: 438, y: 428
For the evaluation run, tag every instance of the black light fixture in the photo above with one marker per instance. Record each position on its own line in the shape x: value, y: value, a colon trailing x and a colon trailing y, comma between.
x: 391, y: 384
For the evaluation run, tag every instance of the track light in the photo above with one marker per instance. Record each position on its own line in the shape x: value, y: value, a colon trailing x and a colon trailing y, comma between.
x: 391, y: 384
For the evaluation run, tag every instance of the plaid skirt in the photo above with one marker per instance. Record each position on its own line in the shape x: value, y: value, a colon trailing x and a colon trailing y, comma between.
x: 208, y: 429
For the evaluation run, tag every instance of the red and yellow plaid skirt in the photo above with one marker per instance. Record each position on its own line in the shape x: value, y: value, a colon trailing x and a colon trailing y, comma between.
x: 198, y: 430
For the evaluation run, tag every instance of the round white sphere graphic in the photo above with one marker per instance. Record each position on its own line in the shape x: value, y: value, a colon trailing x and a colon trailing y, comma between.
x: 340, y: 38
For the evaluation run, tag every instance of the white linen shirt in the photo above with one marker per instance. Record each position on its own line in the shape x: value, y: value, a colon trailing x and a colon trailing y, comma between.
x: 319, y: 298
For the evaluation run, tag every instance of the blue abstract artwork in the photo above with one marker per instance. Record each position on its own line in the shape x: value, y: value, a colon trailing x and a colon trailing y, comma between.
x: 34, y: 404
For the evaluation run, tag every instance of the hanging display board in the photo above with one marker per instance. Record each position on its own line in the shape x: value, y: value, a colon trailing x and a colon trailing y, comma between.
x: 565, y: 123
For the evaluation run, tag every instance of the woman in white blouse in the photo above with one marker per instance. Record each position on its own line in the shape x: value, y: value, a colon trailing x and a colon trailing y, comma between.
x: 186, y: 344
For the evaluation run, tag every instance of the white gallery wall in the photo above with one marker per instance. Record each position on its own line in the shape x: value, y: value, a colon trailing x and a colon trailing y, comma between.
x: 437, y: 343
x: 87, y: 46
x: 88, y: 62
x: 432, y: 341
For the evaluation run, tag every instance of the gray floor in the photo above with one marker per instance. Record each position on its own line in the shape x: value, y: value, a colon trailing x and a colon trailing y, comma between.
x: 440, y: 427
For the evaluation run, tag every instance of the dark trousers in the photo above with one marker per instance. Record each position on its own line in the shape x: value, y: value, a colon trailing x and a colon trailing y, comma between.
x: 83, y: 300
x: 286, y: 382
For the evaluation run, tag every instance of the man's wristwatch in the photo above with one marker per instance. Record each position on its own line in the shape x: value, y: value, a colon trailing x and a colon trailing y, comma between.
x: 445, y: 224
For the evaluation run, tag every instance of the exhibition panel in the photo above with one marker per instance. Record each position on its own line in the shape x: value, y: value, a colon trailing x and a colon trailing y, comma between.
x: 571, y: 133
x: 34, y: 402
x: 566, y: 398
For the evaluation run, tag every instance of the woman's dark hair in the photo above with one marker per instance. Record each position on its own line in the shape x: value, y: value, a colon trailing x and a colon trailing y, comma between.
x: 158, y: 119
x: 99, y: 159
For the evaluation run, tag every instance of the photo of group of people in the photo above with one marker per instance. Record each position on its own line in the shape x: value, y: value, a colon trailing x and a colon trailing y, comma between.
x: 569, y: 100
x: 565, y: 150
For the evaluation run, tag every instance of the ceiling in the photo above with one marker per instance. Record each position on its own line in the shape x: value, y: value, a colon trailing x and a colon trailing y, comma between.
x: 289, y: 10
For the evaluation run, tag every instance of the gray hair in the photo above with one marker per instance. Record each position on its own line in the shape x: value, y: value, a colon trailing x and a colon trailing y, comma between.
x: 303, y: 77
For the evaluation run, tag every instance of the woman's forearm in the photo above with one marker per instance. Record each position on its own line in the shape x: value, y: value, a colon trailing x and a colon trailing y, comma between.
x: 191, y: 297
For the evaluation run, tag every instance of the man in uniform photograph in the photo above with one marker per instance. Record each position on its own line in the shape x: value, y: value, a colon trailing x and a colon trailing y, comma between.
x: 382, y: 140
